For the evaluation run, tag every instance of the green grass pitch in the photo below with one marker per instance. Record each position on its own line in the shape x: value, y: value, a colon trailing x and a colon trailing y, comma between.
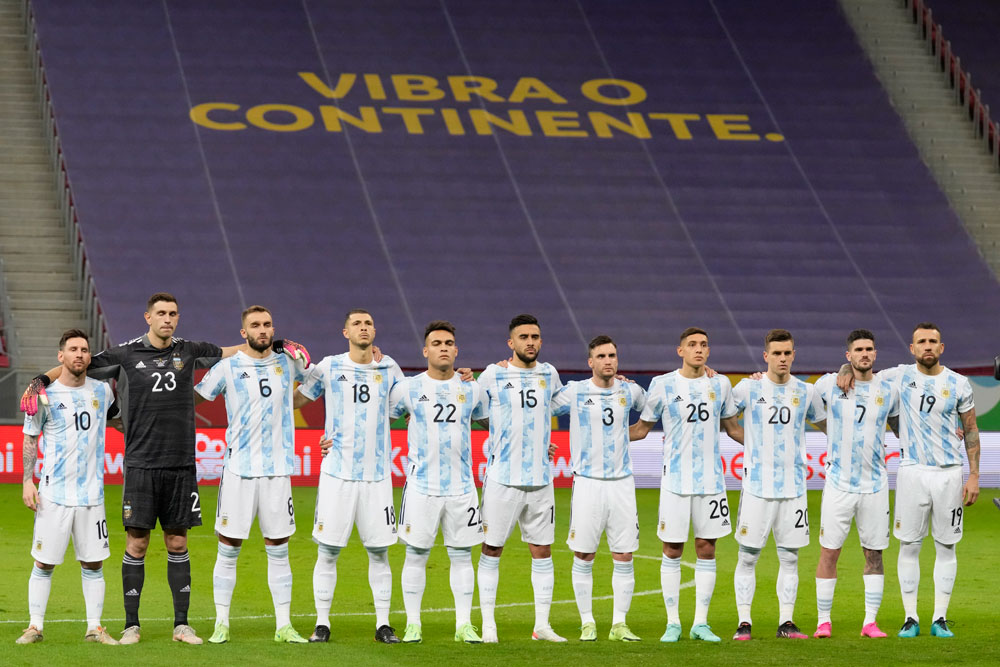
x: 974, y: 606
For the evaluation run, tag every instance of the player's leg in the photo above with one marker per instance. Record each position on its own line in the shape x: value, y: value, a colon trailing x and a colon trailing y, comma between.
x: 91, y: 547
x: 463, y: 529
x: 913, y: 509
x: 873, y: 530
x: 233, y: 518
x: 39, y: 588
x: 499, y: 508
x: 836, y: 512
x: 537, y: 522
x: 179, y: 509
x: 585, y: 527
x: 138, y: 517
x: 223, y: 585
x: 755, y: 517
x: 946, y: 528
x: 710, y: 517
x: 791, y: 533
x: 419, y: 517
x: 620, y: 522
x: 50, y: 537
x: 672, y: 529
x: 276, y: 515
x: 333, y: 519
x: 376, y: 522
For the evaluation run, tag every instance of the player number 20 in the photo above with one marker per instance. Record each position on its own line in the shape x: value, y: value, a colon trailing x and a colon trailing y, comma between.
x: 802, y: 520
x: 781, y: 415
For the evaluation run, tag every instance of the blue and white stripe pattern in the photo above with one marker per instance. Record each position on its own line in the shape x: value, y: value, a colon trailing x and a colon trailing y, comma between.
x: 519, y: 401
x: 690, y: 410
x: 774, y: 444
x: 259, y: 404
x: 439, y: 433
x: 929, y: 407
x: 598, y: 426
x: 357, y: 414
x: 855, y: 431
x: 72, y: 444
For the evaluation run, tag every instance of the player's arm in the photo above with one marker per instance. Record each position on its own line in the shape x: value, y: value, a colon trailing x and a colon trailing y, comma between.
x: 820, y: 425
x: 35, y: 391
x: 29, y: 455
x: 733, y: 428
x: 971, y: 491
x: 845, y: 378
x: 299, y: 400
x: 640, y: 429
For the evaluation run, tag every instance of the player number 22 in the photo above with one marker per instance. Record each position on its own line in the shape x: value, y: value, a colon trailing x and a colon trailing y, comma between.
x: 449, y: 417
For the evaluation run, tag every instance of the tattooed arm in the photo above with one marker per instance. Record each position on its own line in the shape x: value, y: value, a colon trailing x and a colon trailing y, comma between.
x: 971, y: 491
x: 29, y: 455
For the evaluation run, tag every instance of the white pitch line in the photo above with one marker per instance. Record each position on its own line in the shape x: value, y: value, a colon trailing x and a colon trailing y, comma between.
x: 442, y: 610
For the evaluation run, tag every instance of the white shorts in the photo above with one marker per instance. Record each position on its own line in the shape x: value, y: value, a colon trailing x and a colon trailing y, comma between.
x: 869, y: 510
x: 533, y: 508
x: 928, y: 493
x: 341, y: 504
x: 459, y: 518
x: 709, y: 514
x: 603, y: 506
x: 55, y: 523
x: 788, y: 518
x: 243, y: 498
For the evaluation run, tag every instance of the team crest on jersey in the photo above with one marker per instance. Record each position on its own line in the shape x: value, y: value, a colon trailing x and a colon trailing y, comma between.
x: 795, y: 401
x: 378, y: 377
x: 486, y: 527
x: 743, y: 531
x: 176, y: 361
x: 96, y: 403
x: 879, y: 400
x: 572, y: 533
x: 407, y: 529
x: 621, y: 400
x: 711, y: 395
x: 945, y: 393
x: 541, y: 382
x: 278, y: 370
x: 160, y: 363
x: 38, y: 545
x: 663, y: 525
x: 224, y: 521
x: 897, y: 524
x: 319, y: 527
x: 461, y: 398
x: 127, y: 509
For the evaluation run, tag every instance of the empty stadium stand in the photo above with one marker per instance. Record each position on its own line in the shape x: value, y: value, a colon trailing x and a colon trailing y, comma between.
x: 621, y: 168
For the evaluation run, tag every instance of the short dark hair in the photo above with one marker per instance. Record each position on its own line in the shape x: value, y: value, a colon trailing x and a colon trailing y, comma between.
x: 521, y: 320
x: 354, y: 311
x: 73, y: 333
x: 927, y: 325
x: 253, y: 309
x: 598, y: 341
x: 160, y: 296
x: 439, y: 325
x: 690, y: 331
x: 860, y: 334
x: 778, y: 336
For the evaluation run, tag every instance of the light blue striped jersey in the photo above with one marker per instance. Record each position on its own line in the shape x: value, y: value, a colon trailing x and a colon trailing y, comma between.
x: 519, y: 401
x: 774, y: 434
x: 929, y: 407
x: 259, y: 403
x: 439, y: 433
x: 690, y: 410
x: 72, y: 443
x: 598, y: 425
x: 357, y: 414
x: 855, y: 432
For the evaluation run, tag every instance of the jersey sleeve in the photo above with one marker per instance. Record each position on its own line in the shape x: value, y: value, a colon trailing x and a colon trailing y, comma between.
x: 823, y: 386
x: 315, y: 382
x: 481, y: 411
x: 214, y: 382
x: 561, y: 401
x: 653, y: 409
x: 729, y: 408
x: 891, y: 374
x: 202, y: 350
x: 816, y: 411
x: 741, y: 392
x: 398, y: 405
x: 893, y: 400
x: 486, y: 380
x: 105, y: 364
x: 396, y: 374
x: 638, y: 397
x: 965, y: 398
x: 114, y: 408
x: 33, y: 423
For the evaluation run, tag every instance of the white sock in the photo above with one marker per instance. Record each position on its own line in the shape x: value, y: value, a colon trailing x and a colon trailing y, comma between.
x: 279, y: 580
x: 908, y: 571
x: 874, y: 584
x: 622, y: 587
x: 489, y: 579
x: 745, y: 581
x: 413, y: 580
x: 945, y: 570
x: 787, y: 586
x: 824, y: 599
x: 224, y: 581
x: 325, y: 581
x: 670, y: 583
x: 462, y: 578
x: 583, y: 588
x: 39, y: 586
x: 93, y: 595
x: 543, y: 580
x: 380, y: 580
x: 704, y: 588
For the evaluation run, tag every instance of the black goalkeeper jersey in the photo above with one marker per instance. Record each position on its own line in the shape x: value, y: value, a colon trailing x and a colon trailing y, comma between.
x: 156, y: 391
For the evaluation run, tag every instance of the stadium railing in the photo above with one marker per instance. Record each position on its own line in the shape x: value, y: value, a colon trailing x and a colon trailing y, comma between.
x: 87, y: 288
x: 957, y: 78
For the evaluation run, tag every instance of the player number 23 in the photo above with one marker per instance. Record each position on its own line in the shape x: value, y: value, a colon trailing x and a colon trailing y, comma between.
x: 164, y: 381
